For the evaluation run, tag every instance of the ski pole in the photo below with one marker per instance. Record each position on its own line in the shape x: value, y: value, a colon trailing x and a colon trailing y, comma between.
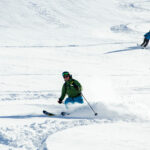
x: 90, y: 105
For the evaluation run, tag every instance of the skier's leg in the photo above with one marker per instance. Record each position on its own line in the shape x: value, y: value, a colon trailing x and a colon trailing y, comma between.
x: 67, y: 101
x: 78, y: 99
x: 143, y: 42
x: 146, y: 43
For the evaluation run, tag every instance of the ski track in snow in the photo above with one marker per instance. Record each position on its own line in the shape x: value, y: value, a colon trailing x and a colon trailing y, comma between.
x: 34, y: 135
x: 26, y: 95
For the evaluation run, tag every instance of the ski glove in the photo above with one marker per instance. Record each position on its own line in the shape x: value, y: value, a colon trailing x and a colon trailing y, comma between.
x: 60, y: 101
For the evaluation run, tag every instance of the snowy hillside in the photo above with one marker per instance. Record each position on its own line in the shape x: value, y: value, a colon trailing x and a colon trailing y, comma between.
x: 63, y: 22
x: 96, y: 41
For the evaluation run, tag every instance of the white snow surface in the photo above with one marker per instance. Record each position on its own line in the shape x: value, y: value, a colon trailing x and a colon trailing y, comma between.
x: 96, y: 41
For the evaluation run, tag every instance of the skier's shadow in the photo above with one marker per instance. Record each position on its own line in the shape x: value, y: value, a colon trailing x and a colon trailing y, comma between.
x: 22, y: 116
x: 42, y: 116
x: 123, y: 50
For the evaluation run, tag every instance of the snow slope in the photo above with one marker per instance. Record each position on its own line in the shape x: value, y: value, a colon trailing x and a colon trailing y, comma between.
x: 97, y: 42
x: 62, y: 22
x: 105, y: 136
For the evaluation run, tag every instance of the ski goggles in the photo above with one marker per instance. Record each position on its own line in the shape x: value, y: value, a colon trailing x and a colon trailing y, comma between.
x: 65, y: 76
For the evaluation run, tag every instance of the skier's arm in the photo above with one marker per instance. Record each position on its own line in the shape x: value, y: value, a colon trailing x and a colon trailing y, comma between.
x: 78, y: 85
x: 63, y: 93
x: 147, y: 34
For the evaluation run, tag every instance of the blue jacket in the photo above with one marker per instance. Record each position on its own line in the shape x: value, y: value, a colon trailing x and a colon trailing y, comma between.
x: 147, y: 35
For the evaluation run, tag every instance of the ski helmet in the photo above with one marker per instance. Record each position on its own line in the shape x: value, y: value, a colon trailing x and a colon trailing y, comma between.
x: 65, y: 73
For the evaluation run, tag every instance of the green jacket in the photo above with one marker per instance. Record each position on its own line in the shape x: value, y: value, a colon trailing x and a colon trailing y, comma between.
x: 72, y: 88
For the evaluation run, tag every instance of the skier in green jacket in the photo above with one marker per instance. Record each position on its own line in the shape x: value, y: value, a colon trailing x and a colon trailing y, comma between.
x: 72, y: 88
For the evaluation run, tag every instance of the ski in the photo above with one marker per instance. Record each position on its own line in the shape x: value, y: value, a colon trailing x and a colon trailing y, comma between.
x: 138, y: 45
x: 52, y: 114
x: 48, y: 113
x: 65, y: 113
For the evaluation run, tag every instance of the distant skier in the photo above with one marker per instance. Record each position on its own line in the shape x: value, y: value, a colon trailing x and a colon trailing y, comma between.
x: 146, y: 39
x: 72, y: 88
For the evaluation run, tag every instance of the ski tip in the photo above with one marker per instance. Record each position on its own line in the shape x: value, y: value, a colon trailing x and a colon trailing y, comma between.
x: 48, y: 113
x: 44, y: 111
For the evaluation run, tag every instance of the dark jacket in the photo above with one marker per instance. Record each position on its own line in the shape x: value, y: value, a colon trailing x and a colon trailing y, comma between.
x: 147, y: 35
x: 72, y: 88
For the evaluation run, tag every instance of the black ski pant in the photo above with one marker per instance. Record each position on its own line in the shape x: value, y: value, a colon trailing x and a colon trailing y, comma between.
x: 145, y: 42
